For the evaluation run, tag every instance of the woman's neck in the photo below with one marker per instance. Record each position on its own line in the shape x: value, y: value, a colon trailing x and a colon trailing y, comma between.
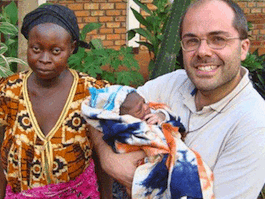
x: 49, y: 83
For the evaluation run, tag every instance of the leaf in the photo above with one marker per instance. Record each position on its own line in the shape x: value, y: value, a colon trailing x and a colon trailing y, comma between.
x: 109, y: 76
x: 140, y: 18
x: 8, y: 29
x: 131, y: 34
x: 144, y: 33
x: 12, y: 12
x: 97, y: 43
x: 3, y: 48
x: 88, y: 28
x: 142, y: 6
x: 11, y: 41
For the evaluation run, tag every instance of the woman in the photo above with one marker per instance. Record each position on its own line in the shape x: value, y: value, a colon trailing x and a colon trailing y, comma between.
x: 46, y: 152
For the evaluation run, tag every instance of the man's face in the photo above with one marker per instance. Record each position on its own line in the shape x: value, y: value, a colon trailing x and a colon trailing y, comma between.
x: 209, y: 69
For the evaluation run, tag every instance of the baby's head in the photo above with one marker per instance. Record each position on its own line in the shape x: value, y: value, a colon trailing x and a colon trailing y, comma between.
x: 135, y: 106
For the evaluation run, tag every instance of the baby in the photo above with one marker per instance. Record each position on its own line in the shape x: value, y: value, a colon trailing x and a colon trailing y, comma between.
x: 130, y: 124
x: 136, y: 106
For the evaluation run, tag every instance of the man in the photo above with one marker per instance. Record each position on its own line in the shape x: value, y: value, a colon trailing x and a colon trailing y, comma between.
x: 223, y: 114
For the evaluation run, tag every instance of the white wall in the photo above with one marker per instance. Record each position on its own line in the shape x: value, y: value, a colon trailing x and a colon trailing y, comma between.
x: 131, y: 22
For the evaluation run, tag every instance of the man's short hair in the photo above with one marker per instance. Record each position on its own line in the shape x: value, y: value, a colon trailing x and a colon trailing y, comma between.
x: 239, y: 21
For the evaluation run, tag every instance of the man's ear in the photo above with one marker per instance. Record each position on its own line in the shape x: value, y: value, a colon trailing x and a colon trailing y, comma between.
x: 73, y: 46
x: 245, y: 44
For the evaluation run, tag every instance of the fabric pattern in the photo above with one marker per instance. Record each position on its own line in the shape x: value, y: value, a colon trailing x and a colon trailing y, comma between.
x: 31, y: 159
x: 83, y: 186
x: 171, y: 169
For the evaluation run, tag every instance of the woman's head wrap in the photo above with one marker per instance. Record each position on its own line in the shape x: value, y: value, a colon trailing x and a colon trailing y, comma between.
x: 56, y: 14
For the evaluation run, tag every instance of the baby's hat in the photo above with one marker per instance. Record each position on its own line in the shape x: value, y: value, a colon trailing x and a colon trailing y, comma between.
x: 109, y: 98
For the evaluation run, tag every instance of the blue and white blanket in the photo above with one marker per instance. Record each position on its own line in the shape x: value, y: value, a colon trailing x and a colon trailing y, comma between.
x: 171, y: 169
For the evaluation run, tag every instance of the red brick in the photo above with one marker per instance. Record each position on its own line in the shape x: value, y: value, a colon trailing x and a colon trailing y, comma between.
x: 123, y: 36
x: 90, y: 19
x: 121, y: 6
x: 107, y: 43
x: 262, y: 32
x: 82, y: 13
x: 107, y: 6
x: 261, y: 4
x: 113, y: 25
x: 100, y: 1
x: 115, y: 47
x: 242, y: 4
x: 76, y: 6
x: 79, y: 19
x: 102, y: 37
x: 115, y: 0
x: 106, y: 31
x: 105, y: 19
x: 252, y: 4
x: 123, y: 24
x: 260, y: 26
x: 262, y: 51
x: 91, y: 6
x: 113, y: 37
x: 246, y: 10
x: 255, y: 10
x: 120, y: 30
x: 113, y: 12
x: 97, y: 13
x: 120, y: 18
x: 120, y: 42
x: 255, y: 32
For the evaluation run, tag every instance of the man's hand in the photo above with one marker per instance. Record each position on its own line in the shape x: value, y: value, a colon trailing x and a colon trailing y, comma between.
x: 155, y: 118
x: 122, y: 166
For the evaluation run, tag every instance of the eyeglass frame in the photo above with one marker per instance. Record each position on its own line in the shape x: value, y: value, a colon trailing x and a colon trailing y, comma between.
x: 226, y: 39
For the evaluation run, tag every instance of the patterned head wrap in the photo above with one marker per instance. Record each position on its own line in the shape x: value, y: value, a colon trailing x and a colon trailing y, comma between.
x: 56, y: 14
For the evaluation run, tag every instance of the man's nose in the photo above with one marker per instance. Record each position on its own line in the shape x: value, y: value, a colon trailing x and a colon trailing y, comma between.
x: 204, y: 49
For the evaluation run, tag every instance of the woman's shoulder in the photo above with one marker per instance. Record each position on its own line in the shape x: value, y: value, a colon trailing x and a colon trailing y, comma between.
x: 13, y: 83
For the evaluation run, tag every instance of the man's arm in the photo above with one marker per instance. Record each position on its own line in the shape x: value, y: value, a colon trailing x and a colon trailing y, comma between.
x: 2, y: 175
x: 119, y: 166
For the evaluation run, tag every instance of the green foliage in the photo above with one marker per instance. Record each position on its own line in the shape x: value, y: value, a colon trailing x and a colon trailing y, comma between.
x: 154, y: 24
x: 255, y: 63
x: 9, y: 32
x: 160, y: 29
x: 116, y: 66
x: 166, y: 60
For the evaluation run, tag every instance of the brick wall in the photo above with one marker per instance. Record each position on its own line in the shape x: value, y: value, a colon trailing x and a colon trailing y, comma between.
x: 110, y: 13
x: 255, y: 13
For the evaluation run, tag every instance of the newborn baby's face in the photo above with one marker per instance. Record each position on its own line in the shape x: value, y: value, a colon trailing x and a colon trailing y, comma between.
x: 135, y: 106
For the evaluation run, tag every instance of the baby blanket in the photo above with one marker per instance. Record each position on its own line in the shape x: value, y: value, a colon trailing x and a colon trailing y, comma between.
x: 171, y: 169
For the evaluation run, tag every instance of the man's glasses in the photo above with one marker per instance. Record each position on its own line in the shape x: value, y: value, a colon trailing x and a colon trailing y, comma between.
x: 216, y: 42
